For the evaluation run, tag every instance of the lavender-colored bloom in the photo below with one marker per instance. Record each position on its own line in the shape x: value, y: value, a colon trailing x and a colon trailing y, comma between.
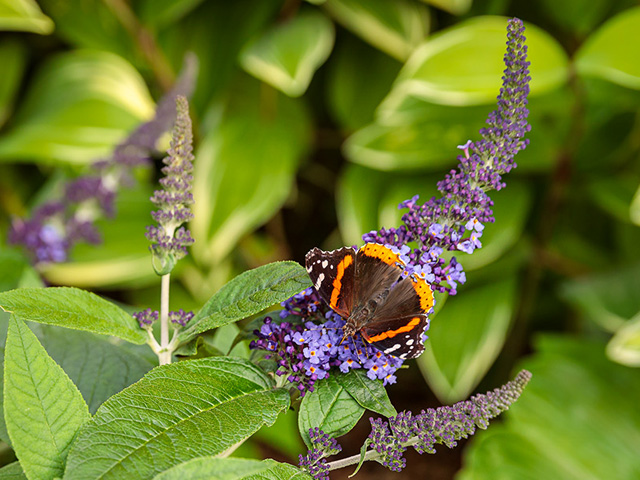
x: 146, y: 318
x: 180, y: 317
x: 444, y: 425
x: 56, y: 226
x: 169, y: 241
x: 455, y: 220
x: 314, y: 462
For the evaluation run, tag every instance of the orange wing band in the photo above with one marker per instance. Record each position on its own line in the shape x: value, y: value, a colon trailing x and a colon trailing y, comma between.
x: 415, y: 321
x: 337, y: 282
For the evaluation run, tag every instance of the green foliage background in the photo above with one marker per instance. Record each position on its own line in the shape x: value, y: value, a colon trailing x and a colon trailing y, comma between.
x: 313, y: 121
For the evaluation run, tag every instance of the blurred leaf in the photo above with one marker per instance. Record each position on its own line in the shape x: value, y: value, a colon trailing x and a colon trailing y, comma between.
x: 13, y: 56
x: 212, y: 468
x: 370, y: 394
x: 287, y: 56
x: 12, y: 267
x: 578, y: 419
x: 456, y: 7
x: 215, y: 32
x: 92, y: 24
x: 634, y: 209
x: 98, y: 366
x: 330, y: 408
x: 159, y: 13
x: 394, y: 27
x: 72, y: 308
x: 579, y: 16
x: 466, y: 337
x: 247, y: 294
x: 43, y: 408
x: 245, y: 167
x: 608, y: 299
x: 613, y: 52
x: 12, y: 471
x: 463, y: 65
x: 228, y: 400
x: 79, y: 106
x: 123, y: 258
x: 614, y: 194
x: 24, y: 16
x: 624, y: 347
x: 358, y: 79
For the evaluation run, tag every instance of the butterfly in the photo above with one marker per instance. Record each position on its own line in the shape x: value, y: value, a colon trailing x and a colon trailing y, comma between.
x: 369, y: 289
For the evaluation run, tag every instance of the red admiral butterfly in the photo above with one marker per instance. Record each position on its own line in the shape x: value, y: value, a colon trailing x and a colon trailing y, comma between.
x: 368, y: 290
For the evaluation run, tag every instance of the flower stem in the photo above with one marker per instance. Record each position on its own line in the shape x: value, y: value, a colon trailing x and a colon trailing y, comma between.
x: 164, y: 356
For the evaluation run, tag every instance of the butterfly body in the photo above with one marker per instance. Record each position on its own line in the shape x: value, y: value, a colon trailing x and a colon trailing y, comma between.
x: 371, y: 291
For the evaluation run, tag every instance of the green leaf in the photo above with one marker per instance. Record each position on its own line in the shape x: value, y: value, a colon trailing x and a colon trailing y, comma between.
x: 13, y: 58
x: 608, y: 299
x: 578, y: 419
x: 92, y: 24
x: 248, y: 294
x: 370, y: 394
x: 176, y: 412
x: 79, y: 106
x: 624, y: 347
x: 463, y: 65
x: 614, y: 194
x: 43, y: 408
x: 287, y: 56
x: 12, y: 471
x: 466, y: 337
x: 634, y: 209
x: 329, y: 407
x: 611, y: 53
x: 24, y: 16
x: 72, y: 308
x: 359, y: 77
x: 99, y: 367
x: 579, y: 16
x: 212, y: 468
x: 282, y: 436
x: 236, y: 181
x: 395, y: 27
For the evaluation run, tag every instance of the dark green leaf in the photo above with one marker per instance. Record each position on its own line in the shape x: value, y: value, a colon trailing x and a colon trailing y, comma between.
x: 358, y: 79
x: 466, y: 337
x: 24, y: 16
x: 607, y: 299
x: 13, y: 60
x: 287, y: 56
x: 176, y: 412
x: 329, y: 407
x: 248, y: 294
x: 159, y: 13
x: 212, y: 468
x: 72, y: 308
x: 43, y: 408
x: 457, y: 7
x: 395, y: 27
x: 578, y: 419
x: 80, y: 105
x: 370, y: 394
x: 611, y: 53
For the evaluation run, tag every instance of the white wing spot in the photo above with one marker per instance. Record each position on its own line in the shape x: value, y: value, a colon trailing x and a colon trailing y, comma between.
x: 324, y: 264
x: 410, y: 342
x: 392, y: 349
x: 319, y: 281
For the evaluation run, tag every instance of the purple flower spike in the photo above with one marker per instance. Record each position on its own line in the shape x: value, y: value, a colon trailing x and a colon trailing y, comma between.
x: 169, y: 241
x: 456, y: 219
x: 146, y: 318
x: 322, y: 446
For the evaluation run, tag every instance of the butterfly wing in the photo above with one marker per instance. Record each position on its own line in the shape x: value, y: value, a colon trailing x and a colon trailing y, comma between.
x: 398, y: 336
x: 377, y: 270
x: 333, y: 276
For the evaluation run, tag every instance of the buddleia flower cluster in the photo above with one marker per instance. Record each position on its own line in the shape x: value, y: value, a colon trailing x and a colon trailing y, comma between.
x: 455, y: 221
x: 169, y: 239
x: 57, y: 225
x: 305, y: 353
x: 389, y: 439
